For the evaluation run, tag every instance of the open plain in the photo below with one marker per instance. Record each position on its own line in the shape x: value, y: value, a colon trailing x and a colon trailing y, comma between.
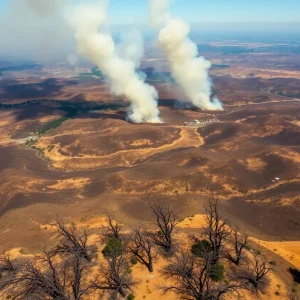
x: 67, y: 150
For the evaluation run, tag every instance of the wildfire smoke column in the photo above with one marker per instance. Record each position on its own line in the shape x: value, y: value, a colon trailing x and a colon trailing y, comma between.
x: 95, y: 43
x: 188, y: 68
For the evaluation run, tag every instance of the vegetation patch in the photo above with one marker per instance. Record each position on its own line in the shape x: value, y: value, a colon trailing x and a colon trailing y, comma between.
x: 201, y: 248
x: 113, y: 248
x: 217, y: 272
x: 51, y: 125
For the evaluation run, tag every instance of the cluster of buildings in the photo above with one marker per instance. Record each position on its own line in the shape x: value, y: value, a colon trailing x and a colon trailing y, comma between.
x: 200, y: 124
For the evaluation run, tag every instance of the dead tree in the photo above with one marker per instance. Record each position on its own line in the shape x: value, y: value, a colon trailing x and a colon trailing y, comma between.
x: 79, y: 270
x: 254, y: 274
x: 115, y: 277
x: 8, y: 268
x: 166, y: 221
x: 72, y: 240
x: 112, y: 229
x: 190, y: 277
x: 217, y: 229
x: 141, y: 246
x: 6, y: 263
x: 49, y: 278
x: 239, y: 245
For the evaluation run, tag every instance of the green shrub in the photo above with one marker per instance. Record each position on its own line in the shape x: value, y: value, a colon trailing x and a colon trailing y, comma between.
x: 51, y: 125
x: 113, y: 248
x: 201, y: 248
x: 217, y: 272
x: 50, y: 148
x: 257, y: 252
x: 134, y: 260
x: 130, y: 297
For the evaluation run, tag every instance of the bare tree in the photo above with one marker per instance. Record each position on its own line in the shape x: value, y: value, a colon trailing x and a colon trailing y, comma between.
x: 190, y: 277
x: 72, y: 240
x: 8, y: 268
x: 49, y: 278
x: 6, y: 263
x: 239, y: 245
x: 217, y: 229
x: 112, y: 229
x: 141, y: 246
x: 255, y: 275
x: 166, y: 221
x: 115, y: 277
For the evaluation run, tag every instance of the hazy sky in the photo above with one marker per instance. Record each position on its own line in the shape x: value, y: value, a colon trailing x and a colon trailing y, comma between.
x: 38, y: 29
x: 135, y: 11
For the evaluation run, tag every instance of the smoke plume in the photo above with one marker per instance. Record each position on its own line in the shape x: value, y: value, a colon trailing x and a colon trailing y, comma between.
x: 34, y: 30
x: 43, y: 8
x: 188, y: 68
x: 96, y: 43
x: 131, y: 46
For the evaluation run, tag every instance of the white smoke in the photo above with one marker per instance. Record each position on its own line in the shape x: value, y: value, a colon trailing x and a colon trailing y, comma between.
x: 45, y: 7
x: 131, y: 46
x: 34, y: 30
x: 188, y: 69
x: 73, y: 60
x: 95, y: 43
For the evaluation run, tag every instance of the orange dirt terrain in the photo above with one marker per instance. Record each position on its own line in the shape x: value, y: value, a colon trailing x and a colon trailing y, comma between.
x: 67, y: 151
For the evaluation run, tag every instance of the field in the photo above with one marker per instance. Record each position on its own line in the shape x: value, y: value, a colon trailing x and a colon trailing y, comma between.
x: 67, y: 150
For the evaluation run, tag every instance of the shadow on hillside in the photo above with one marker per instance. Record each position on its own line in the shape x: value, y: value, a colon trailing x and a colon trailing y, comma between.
x: 295, y: 273
x: 51, y: 87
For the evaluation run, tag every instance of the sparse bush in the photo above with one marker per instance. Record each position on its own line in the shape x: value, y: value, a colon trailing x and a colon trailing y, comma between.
x: 134, y: 260
x: 217, y: 272
x: 201, y: 248
x: 50, y: 147
x: 30, y: 142
x: 113, y: 248
x: 272, y: 263
x: 130, y: 297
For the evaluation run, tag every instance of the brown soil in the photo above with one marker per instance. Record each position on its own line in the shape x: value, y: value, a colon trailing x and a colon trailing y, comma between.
x: 98, y: 162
